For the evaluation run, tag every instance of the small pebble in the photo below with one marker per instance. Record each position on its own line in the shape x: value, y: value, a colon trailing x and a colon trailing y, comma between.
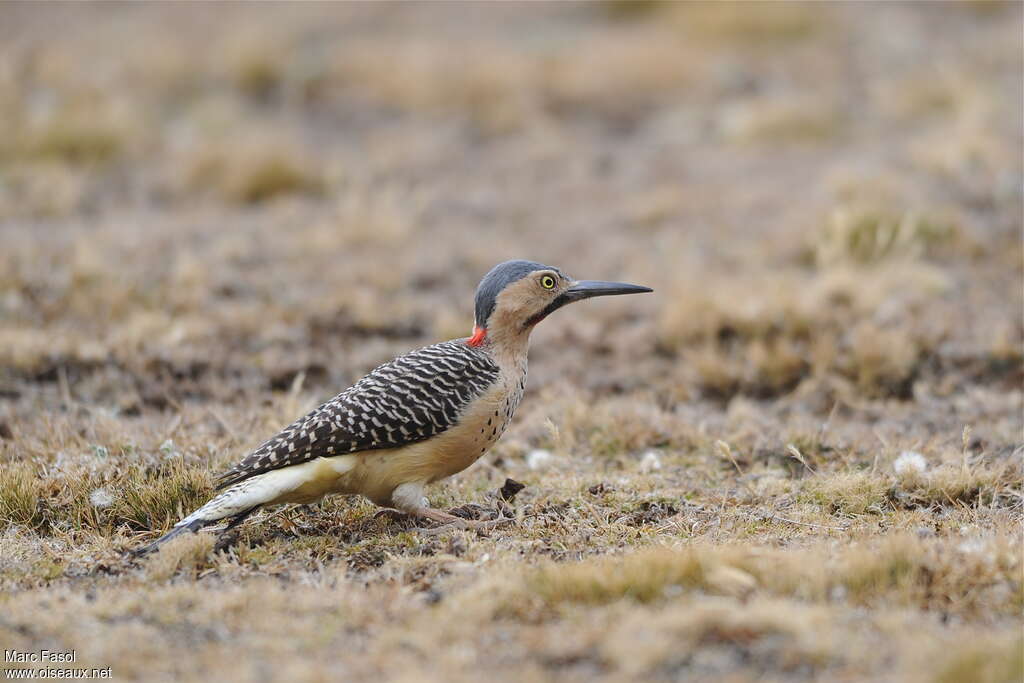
x: 650, y: 462
x: 910, y: 462
x: 539, y: 459
x: 101, y: 498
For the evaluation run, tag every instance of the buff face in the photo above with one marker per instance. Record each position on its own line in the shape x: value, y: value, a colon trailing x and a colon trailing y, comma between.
x: 517, y: 295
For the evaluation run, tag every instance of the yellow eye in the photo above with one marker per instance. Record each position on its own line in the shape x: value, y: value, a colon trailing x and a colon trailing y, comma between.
x: 547, y: 282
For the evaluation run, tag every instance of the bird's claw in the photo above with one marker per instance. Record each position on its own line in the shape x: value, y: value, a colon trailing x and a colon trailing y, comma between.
x: 481, y: 526
x: 391, y: 515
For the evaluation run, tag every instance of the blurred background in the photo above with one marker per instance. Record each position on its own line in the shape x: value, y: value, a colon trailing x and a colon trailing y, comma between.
x: 207, y: 203
x: 799, y: 458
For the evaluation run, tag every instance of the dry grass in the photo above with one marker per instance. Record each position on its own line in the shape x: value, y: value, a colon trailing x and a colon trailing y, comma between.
x: 253, y: 171
x: 902, y: 570
x: 22, y: 497
x: 761, y: 472
x: 148, y: 499
x: 182, y: 555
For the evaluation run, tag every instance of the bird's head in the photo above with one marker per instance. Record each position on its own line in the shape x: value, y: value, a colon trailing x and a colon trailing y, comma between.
x: 516, y: 295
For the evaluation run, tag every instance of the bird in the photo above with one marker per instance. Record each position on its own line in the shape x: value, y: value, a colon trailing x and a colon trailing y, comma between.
x: 412, y: 421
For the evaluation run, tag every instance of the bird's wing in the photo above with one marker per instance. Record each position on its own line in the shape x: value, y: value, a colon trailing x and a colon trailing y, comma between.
x: 412, y: 398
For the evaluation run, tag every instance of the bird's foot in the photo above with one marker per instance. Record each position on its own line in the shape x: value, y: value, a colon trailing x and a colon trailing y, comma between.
x: 392, y: 515
x: 482, y: 527
x: 447, y: 521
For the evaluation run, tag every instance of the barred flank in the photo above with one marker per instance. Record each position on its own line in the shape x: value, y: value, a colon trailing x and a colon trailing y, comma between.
x: 412, y: 398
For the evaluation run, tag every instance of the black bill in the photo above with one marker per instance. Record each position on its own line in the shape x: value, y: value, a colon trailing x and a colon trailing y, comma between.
x: 585, y: 289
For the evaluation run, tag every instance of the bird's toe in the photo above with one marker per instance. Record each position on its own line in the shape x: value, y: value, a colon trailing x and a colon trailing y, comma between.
x: 391, y: 515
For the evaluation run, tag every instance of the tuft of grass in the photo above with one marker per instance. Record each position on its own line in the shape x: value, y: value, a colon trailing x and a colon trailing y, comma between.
x: 984, y: 662
x: 867, y: 234
x: 22, y: 492
x: 186, y: 554
x: 630, y: 9
x: 718, y: 375
x: 986, y: 7
x: 858, y: 493
x: 48, y: 569
x: 904, y: 570
x: 780, y: 121
x: 764, y: 339
x: 271, y: 177
x: 148, y: 501
x: 722, y: 311
x: 74, y: 142
x: 752, y: 23
x: 254, y: 172
x: 882, y: 362
x: 643, y: 577
x: 850, y: 493
x: 775, y: 367
x: 956, y: 484
x: 608, y: 429
x: 257, y: 75
x: 900, y: 569
x: 698, y: 637
x: 895, y: 568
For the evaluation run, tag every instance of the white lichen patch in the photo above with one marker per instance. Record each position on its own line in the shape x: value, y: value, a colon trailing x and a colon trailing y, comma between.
x: 910, y: 463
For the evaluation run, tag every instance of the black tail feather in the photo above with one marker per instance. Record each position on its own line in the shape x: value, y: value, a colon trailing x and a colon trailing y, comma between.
x: 193, y: 526
x: 240, y: 517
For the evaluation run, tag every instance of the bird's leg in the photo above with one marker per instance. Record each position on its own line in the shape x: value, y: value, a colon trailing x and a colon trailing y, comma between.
x: 447, y: 521
x: 439, y: 516
x: 409, y: 498
x: 285, y: 517
x: 391, y: 514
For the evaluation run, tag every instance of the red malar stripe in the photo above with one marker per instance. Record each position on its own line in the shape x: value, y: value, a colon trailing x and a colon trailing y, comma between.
x: 479, y: 333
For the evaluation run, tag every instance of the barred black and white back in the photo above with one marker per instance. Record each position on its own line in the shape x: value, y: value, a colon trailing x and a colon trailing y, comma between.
x: 412, y: 398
